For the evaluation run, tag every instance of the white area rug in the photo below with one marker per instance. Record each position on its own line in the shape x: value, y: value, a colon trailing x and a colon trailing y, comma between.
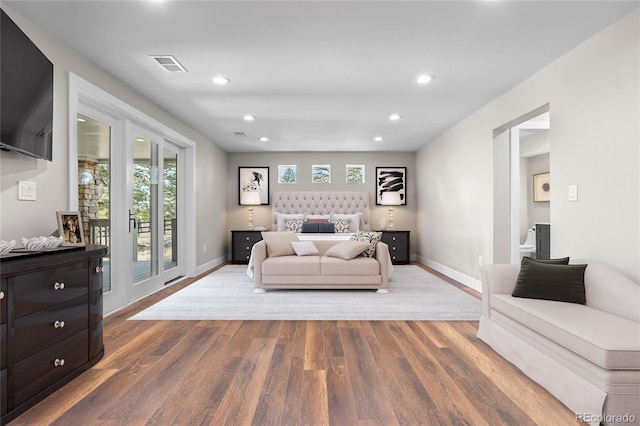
x: 227, y: 294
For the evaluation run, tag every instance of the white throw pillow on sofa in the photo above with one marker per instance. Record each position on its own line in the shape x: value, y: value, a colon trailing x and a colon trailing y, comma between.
x: 347, y: 249
x: 279, y: 243
x: 305, y: 248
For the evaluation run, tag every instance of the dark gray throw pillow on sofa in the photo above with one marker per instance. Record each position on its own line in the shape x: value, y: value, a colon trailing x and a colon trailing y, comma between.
x: 549, y: 281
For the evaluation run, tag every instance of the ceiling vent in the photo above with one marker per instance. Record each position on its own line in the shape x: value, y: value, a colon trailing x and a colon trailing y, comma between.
x: 240, y: 134
x: 168, y: 63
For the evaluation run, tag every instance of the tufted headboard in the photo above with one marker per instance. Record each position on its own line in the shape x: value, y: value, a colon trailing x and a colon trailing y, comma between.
x: 322, y: 202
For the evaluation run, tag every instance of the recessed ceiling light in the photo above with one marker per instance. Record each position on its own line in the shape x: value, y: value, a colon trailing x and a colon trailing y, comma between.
x: 423, y: 79
x: 249, y: 117
x: 264, y: 139
x: 395, y: 117
x: 378, y: 139
x: 221, y: 79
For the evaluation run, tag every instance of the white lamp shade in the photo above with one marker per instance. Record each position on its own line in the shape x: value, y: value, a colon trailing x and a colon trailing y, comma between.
x: 390, y: 199
x: 250, y: 198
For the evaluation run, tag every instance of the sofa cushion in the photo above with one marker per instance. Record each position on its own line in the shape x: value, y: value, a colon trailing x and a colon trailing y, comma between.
x: 607, y: 340
x: 563, y: 283
x: 347, y: 249
x: 304, y: 248
x: 359, y: 266
x: 279, y: 243
x: 291, y: 265
x: 372, y: 238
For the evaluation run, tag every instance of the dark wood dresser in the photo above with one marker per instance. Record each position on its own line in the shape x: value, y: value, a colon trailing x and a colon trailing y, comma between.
x: 241, y: 244
x: 51, y: 322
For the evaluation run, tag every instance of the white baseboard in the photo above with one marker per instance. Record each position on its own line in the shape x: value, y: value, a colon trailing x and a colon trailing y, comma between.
x: 210, y: 265
x: 452, y: 273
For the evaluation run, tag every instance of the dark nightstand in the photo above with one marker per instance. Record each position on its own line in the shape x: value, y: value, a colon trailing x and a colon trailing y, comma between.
x: 398, y: 242
x: 241, y: 243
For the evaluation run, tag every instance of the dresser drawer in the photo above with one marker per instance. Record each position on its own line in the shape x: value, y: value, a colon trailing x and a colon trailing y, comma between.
x: 3, y: 301
x: 250, y: 238
x: 37, y: 331
x: 3, y: 391
x: 39, y: 290
x: 241, y: 255
x: 3, y: 346
x: 41, y: 370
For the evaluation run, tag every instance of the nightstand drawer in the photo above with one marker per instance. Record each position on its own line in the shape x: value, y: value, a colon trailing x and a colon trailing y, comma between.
x: 241, y: 244
x: 398, y: 242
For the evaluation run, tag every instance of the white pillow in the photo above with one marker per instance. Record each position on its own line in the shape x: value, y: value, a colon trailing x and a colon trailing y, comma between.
x: 279, y: 243
x: 305, y: 248
x: 280, y: 218
x: 347, y: 249
x: 354, y: 225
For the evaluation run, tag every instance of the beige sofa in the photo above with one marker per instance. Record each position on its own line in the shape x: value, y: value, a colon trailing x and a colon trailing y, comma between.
x: 320, y: 272
x: 587, y: 356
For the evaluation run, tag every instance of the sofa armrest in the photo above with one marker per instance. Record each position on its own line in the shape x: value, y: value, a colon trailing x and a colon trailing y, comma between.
x: 497, y: 279
x: 382, y: 256
x: 258, y: 255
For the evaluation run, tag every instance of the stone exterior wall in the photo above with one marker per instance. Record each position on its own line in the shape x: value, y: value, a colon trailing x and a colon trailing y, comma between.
x: 88, y: 196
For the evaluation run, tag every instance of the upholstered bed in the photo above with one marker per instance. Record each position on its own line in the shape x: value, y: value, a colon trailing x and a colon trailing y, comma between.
x: 350, y: 206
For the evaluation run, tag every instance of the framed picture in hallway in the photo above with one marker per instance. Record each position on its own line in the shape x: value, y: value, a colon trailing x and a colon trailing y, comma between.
x: 541, y: 187
x: 254, y: 179
x: 391, y: 179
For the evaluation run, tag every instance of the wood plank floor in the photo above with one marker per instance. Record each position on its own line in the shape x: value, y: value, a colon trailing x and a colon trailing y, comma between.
x: 296, y: 373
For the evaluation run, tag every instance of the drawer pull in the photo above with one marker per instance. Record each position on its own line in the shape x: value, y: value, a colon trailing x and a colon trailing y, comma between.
x: 248, y: 248
x: 394, y: 238
x: 58, y: 362
x: 58, y: 286
x: 99, y: 269
x: 247, y: 238
x: 393, y: 248
x: 1, y: 295
x: 58, y: 324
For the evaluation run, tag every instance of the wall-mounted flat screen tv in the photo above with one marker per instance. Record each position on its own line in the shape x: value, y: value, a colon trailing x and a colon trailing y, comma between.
x: 26, y: 93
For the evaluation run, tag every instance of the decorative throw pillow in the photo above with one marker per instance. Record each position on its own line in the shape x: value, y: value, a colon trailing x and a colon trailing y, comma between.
x: 326, y: 228
x: 279, y: 243
x: 548, y: 281
x: 354, y: 225
x: 341, y: 225
x: 305, y: 248
x: 316, y: 218
x: 293, y: 225
x: 559, y: 261
x: 309, y: 227
x: 281, y: 217
x: 372, y: 238
x: 347, y: 249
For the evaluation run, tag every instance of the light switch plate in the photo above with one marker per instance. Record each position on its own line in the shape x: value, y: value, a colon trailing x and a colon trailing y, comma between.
x: 573, y: 192
x: 26, y: 191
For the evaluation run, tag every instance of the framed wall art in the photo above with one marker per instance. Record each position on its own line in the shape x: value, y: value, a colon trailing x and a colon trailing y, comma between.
x: 288, y: 173
x: 355, y: 173
x: 321, y: 173
x: 254, y: 179
x: 541, y: 187
x: 70, y: 228
x: 391, y: 179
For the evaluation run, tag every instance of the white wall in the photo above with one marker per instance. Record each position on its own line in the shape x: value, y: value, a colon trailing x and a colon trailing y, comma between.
x: 23, y: 218
x: 593, y: 92
x: 404, y: 216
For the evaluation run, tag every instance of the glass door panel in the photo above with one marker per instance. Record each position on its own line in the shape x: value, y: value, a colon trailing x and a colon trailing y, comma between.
x: 170, y: 209
x: 94, y: 186
x: 144, y: 216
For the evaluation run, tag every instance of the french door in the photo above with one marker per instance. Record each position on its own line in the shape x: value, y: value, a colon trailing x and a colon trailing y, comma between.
x: 154, y: 208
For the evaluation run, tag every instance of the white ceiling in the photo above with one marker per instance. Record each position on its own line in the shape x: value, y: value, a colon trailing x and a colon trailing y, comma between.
x: 323, y: 75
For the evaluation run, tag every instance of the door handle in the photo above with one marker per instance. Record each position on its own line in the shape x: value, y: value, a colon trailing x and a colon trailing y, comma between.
x: 131, y: 218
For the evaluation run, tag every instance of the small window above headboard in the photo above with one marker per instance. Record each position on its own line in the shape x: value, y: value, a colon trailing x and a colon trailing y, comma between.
x: 322, y: 202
